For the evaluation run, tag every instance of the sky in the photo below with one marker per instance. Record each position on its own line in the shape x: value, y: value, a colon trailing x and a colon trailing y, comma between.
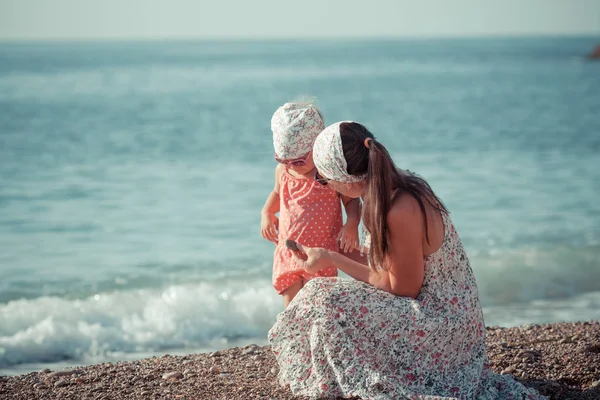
x: 170, y: 19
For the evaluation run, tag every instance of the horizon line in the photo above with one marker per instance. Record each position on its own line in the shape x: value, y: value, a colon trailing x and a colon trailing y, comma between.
x: 300, y: 38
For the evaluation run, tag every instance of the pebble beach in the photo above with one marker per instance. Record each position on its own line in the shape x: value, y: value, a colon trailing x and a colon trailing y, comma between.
x: 561, y: 360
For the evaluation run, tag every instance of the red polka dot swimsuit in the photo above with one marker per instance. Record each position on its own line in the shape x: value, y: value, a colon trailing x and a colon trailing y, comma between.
x: 310, y: 214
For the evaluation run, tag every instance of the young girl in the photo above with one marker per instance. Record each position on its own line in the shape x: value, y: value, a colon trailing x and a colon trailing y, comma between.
x: 309, y: 212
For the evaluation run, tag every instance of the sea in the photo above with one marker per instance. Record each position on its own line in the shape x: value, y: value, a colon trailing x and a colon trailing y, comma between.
x: 132, y: 175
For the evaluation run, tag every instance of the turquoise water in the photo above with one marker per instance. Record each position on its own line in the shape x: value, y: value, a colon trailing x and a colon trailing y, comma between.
x: 132, y: 177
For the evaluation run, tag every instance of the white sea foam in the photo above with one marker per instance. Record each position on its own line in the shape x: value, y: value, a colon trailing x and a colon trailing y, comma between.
x: 50, y: 329
x: 126, y: 324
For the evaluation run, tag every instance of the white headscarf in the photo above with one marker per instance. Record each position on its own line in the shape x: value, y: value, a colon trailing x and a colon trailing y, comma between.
x: 328, y: 156
x: 295, y: 127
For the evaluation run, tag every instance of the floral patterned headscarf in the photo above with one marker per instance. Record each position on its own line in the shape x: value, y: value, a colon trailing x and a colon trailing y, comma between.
x: 295, y: 127
x: 328, y: 156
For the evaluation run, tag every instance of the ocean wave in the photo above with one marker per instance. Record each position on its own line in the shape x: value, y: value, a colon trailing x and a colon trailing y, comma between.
x: 531, y: 274
x: 584, y: 307
x: 193, y: 316
x: 48, y: 329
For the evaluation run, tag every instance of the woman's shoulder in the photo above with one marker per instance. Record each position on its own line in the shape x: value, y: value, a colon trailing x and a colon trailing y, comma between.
x: 404, y: 209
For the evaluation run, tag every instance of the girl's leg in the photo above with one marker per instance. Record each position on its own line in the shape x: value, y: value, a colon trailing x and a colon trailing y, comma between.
x: 291, y: 292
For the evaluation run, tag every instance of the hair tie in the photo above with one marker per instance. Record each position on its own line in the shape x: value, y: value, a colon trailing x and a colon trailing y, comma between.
x: 367, y: 142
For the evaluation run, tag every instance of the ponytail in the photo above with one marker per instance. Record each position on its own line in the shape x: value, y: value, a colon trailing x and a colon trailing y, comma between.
x: 384, y: 184
x: 381, y: 174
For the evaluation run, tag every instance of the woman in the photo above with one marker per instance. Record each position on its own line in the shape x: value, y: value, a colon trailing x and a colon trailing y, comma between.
x: 410, y: 324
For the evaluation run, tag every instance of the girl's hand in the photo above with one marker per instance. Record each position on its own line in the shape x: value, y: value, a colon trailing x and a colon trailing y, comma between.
x: 312, y: 259
x: 348, y: 238
x: 269, y: 225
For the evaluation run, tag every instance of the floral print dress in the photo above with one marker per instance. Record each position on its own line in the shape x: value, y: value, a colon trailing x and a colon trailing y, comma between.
x: 343, y: 337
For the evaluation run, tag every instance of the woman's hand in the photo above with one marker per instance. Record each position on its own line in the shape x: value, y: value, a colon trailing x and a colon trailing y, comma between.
x: 269, y: 225
x: 312, y: 259
x: 348, y: 238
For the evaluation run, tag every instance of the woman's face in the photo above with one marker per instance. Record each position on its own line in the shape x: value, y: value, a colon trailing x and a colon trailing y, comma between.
x: 352, y: 190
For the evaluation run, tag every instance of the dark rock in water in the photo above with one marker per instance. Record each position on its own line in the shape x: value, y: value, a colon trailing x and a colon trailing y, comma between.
x: 595, y: 55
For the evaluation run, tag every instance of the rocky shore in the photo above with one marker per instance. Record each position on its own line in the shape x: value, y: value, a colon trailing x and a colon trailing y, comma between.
x: 561, y: 360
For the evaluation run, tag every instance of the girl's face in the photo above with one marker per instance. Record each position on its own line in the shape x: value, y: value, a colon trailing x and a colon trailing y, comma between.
x: 353, y: 190
x: 302, y: 165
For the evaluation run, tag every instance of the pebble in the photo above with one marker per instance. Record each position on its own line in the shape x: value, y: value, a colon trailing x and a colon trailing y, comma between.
x: 529, y: 353
x: 79, y: 380
x: 39, y: 385
x: 274, y: 371
x: 145, y: 393
x: 215, y: 354
x: 187, y: 371
x: 214, y: 369
x: 249, y: 351
x: 564, y: 340
x: 98, y: 388
x: 46, y: 370
x: 509, y: 370
x: 594, y: 349
x: 187, y: 362
x: 596, y: 383
x: 173, y: 375
x: 65, y: 372
x: 61, y: 383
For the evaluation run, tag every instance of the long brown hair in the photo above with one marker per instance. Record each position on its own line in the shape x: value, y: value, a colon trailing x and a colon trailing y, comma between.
x: 384, y: 184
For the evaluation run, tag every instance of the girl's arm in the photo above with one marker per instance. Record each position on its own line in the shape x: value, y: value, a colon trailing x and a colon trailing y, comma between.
x: 348, y: 235
x: 352, y: 207
x: 269, y: 222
